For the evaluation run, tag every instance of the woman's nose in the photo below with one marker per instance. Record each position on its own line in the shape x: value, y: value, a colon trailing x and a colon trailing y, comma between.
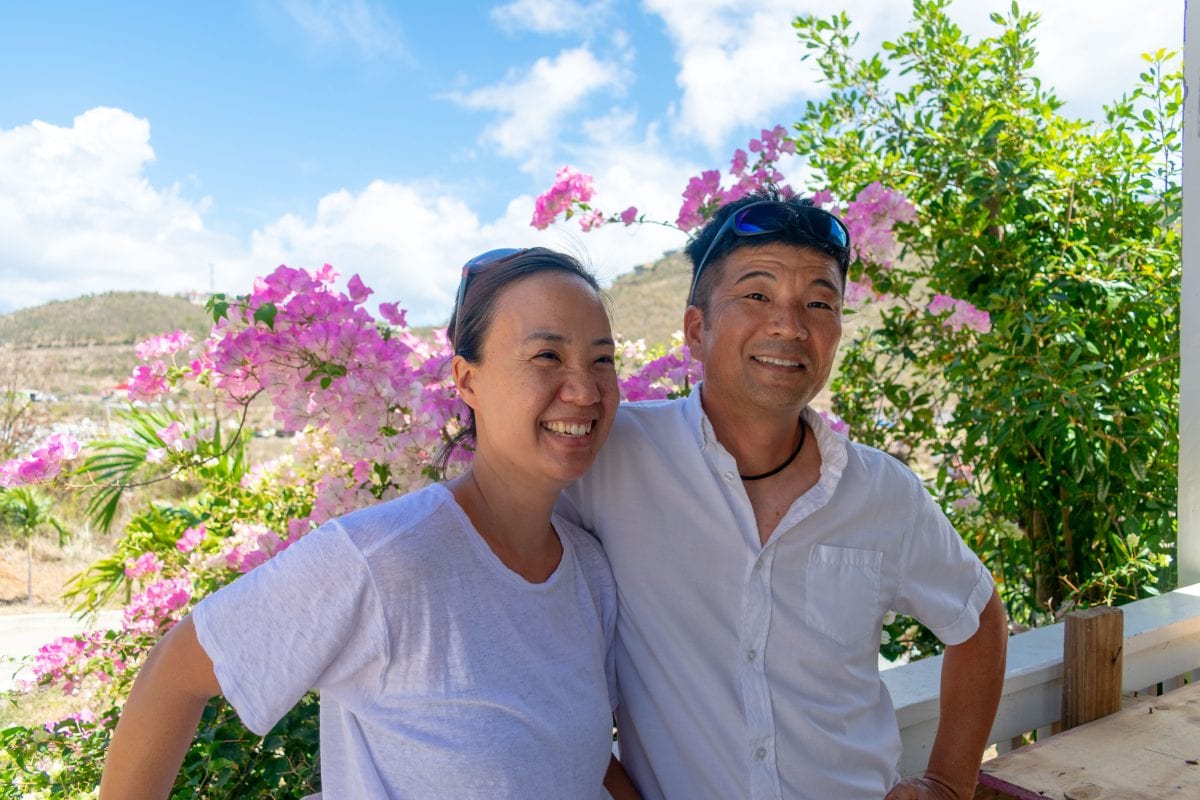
x: 580, y: 387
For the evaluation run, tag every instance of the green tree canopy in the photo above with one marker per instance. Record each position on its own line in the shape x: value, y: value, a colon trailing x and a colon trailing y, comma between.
x: 1062, y: 420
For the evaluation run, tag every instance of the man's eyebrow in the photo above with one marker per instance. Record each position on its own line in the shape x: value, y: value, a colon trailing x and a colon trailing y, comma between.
x: 558, y: 338
x: 762, y: 273
x: 755, y: 273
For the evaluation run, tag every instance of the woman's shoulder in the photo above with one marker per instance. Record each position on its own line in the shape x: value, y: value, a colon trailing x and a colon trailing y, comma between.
x: 587, y: 548
x: 408, y: 517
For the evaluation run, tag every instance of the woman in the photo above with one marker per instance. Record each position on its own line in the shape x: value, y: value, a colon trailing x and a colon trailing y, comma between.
x: 460, y: 636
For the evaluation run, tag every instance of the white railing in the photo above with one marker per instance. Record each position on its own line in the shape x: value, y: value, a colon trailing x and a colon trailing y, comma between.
x: 1162, y: 646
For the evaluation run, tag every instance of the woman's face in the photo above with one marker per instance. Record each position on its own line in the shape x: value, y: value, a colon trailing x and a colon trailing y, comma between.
x: 545, y: 389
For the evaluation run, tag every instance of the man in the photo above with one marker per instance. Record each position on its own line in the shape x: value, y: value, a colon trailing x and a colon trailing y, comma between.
x: 757, y: 552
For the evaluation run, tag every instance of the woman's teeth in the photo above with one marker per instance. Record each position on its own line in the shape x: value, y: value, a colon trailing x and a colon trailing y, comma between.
x: 568, y: 428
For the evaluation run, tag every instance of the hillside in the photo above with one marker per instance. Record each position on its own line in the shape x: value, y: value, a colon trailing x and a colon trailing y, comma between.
x: 111, y: 318
x: 85, y: 346
x: 648, y: 303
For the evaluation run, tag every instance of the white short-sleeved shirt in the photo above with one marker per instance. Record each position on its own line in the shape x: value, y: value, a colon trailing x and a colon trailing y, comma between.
x: 751, y: 671
x: 442, y: 673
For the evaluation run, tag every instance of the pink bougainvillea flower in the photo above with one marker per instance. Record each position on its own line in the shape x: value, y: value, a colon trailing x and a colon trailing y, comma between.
x: 145, y: 564
x: 43, y: 464
x: 358, y: 290
x: 591, y: 219
x: 392, y: 313
x: 629, y: 215
x: 190, y: 539
x: 163, y: 346
x: 570, y: 186
x: 965, y: 314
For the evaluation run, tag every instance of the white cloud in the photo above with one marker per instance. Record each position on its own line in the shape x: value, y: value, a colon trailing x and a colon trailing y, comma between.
x: 534, y: 105
x: 368, y: 28
x: 1089, y: 53
x: 78, y: 215
x: 550, y: 16
x: 738, y: 66
x: 741, y: 66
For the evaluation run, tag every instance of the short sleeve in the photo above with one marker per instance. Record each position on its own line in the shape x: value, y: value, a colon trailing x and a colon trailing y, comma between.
x: 943, y: 584
x: 308, y: 618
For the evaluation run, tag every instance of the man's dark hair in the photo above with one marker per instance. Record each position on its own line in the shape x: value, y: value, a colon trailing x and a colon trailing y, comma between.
x: 798, y: 235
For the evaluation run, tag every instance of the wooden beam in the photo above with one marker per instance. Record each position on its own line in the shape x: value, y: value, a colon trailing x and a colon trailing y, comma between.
x: 1093, y: 660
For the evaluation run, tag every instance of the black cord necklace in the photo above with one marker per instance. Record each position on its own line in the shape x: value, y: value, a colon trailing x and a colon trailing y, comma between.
x: 784, y: 465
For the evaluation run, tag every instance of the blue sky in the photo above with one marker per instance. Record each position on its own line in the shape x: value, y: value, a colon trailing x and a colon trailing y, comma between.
x: 162, y: 145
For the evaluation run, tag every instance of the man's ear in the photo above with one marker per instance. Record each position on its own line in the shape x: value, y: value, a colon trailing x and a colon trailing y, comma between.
x: 464, y: 379
x: 693, y: 328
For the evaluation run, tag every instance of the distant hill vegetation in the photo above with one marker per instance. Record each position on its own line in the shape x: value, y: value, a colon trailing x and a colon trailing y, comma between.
x: 111, y: 318
x: 648, y: 302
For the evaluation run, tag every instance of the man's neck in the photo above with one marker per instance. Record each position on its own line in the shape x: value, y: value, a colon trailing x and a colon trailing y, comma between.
x: 759, y: 440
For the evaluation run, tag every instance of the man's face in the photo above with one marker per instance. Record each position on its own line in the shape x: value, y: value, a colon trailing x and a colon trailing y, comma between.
x: 772, y: 328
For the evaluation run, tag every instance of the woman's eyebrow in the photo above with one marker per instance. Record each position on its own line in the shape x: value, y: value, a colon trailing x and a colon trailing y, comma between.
x: 558, y: 338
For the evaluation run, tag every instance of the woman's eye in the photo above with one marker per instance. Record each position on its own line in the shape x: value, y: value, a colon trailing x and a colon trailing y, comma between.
x: 606, y: 360
x: 547, y: 354
x: 756, y: 296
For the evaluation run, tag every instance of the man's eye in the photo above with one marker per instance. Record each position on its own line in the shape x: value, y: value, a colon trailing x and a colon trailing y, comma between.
x: 548, y: 354
x: 756, y: 296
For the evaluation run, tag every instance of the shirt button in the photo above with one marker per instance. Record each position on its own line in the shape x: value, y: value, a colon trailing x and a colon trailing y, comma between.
x: 760, y: 753
x: 751, y: 654
x: 728, y: 477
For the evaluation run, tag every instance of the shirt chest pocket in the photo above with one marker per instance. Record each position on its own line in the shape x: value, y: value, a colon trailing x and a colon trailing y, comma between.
x: 842, y: 598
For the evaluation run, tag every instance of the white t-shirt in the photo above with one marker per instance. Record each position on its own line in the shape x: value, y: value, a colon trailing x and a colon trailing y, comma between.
x: 442, y: 673
x: 751, y: 671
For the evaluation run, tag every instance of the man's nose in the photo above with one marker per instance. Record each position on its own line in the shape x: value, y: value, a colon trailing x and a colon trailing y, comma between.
x: 789, y: 320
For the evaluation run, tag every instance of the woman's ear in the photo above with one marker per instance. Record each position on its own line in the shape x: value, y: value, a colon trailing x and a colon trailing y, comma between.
x: 464, y: 379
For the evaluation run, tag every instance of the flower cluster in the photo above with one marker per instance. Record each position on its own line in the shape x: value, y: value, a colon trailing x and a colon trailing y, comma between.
x: 158, y: 606
x: 704, y: 195
x: 145, y: 564
x: 871, y: 220
x: 43, y: 464
x: 320, y: 359
x: 965, y: 315
x: 64, y: 661
x: 570, y: 187
x: 163, y: 346
x: 668, y: 376
x: 250, y: 545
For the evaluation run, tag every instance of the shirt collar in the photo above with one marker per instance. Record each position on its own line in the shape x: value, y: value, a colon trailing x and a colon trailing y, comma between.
x: 832, y: 446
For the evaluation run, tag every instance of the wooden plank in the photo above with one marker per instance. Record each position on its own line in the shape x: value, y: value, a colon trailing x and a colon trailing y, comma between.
x: 1093, y: 647
x: 1150, y: 751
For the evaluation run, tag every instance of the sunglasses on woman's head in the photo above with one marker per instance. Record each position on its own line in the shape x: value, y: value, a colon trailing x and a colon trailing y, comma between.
x: 476, y: 265
x: 772, y: 216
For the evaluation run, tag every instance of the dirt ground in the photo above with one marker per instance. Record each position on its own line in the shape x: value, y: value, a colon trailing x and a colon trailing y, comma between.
x: 52, y: 568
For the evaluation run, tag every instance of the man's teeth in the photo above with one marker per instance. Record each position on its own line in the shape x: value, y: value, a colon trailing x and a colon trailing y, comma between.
x: 568, y: 428
x: 777, y: 361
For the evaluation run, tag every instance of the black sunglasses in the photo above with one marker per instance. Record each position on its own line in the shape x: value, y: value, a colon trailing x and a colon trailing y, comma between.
x: 772, y: 216
x: 475, y: 265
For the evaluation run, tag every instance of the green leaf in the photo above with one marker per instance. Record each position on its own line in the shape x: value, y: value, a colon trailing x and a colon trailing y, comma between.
x: 266, y: 314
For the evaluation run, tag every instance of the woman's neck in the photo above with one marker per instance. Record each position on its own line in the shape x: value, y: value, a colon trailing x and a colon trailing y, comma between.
x: 513, y: 519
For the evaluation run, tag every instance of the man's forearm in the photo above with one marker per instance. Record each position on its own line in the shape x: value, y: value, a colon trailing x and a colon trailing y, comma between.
x: 972, y: 679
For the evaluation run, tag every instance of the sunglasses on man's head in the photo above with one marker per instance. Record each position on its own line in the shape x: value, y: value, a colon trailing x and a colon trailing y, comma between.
x: 472, y: 267
x: 772, y: 216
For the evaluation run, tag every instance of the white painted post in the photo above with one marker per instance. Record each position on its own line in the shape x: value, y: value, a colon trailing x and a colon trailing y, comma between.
x: 1189, y: 383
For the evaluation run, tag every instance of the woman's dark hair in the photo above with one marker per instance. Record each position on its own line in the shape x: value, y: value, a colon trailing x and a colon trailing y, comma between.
x: 484, y: 288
